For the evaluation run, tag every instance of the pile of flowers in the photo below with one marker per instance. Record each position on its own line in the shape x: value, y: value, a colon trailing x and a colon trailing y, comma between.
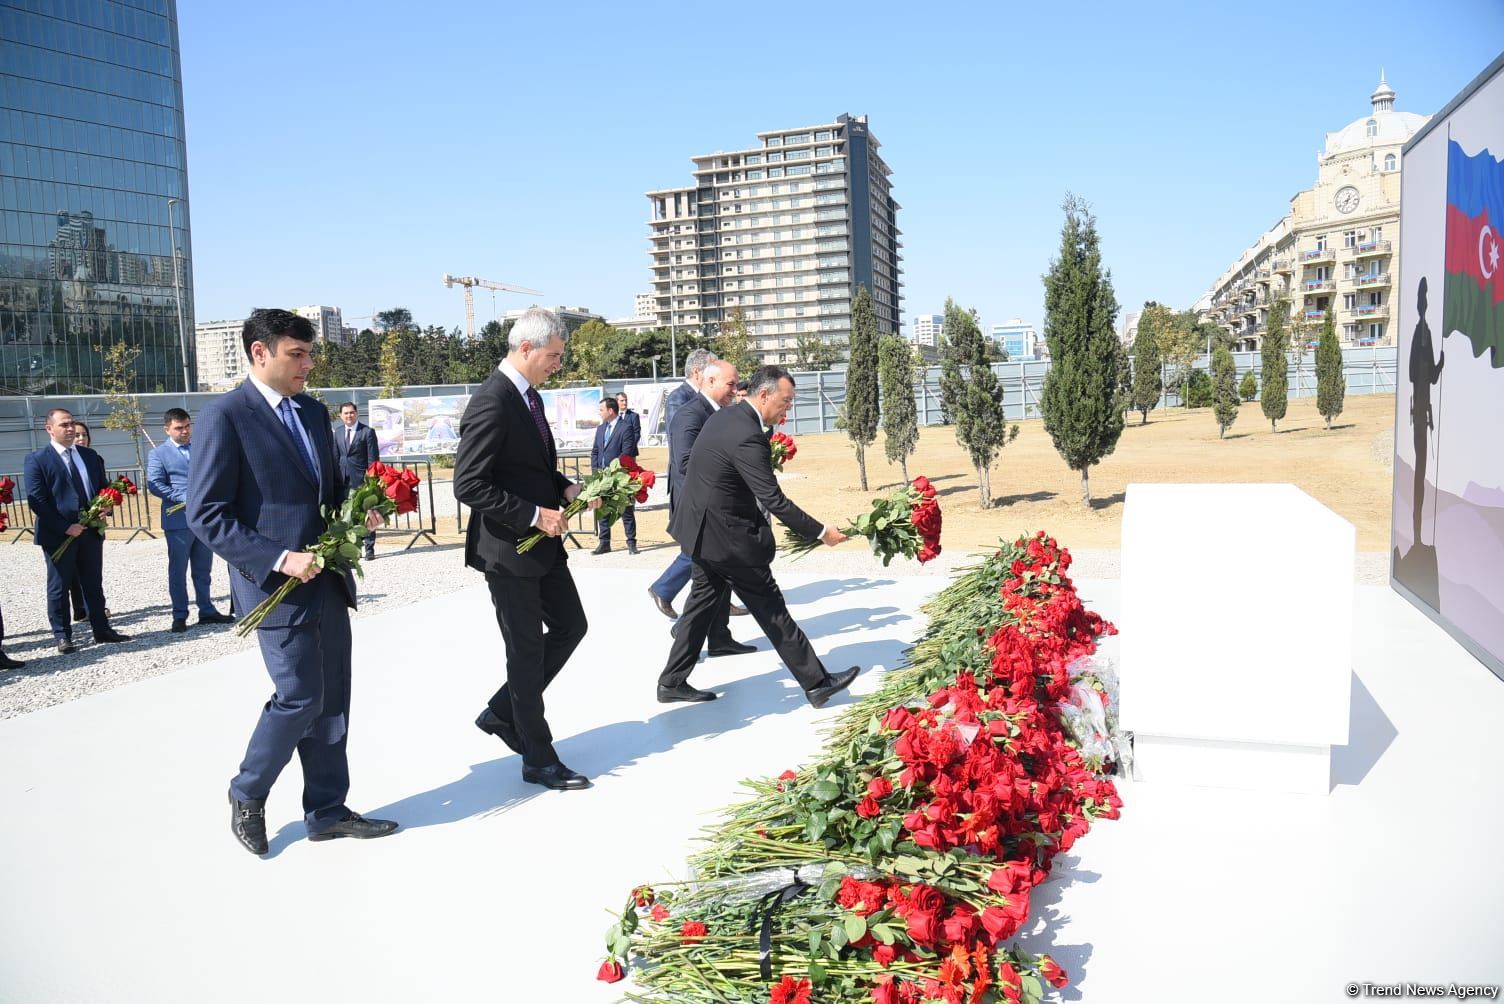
x: 96, y: 516
x: 783, y: 449
x: 906, y: 522
x: 385, y: 490
x: 618, y: 485
x: 897, y: 868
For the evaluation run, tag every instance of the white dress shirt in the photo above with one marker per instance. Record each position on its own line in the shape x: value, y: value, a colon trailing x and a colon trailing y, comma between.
x: 70, y: 458
x: 520, y: 382
x: 274, y: 401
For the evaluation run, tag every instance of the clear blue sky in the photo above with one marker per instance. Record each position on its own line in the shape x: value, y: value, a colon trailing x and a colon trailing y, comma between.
x: 351, y: 153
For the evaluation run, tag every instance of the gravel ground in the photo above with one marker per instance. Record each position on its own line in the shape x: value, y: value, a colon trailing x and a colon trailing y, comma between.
x: 135, y: 587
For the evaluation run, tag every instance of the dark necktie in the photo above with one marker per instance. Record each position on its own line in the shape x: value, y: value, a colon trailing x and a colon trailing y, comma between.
x: 77, y: 478
x: 291, y: 421
x: 535, y: 405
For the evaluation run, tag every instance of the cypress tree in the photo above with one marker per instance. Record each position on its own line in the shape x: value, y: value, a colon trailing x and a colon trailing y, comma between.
x: 1080, y: 392
x: 1248, y: 387
x: 861, y: 411
x: 1224, y: 389
x: 1274, y: 396
x: 973, y: 396
x: 1148, y: 376
x: 900, y: 416
x: 1331, y: 386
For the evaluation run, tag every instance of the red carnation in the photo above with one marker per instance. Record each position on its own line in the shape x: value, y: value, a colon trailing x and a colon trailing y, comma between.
x: 692, y: 933
x: 610, y: 972
x: 790, y: 991
x: 659, y: 912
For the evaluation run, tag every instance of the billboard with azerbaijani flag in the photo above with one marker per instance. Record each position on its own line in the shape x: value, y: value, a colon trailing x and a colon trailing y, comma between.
x: 1448, y: 517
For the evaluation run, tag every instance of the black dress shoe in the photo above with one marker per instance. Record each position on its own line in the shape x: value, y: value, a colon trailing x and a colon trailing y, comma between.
x: 356, y: 826
x: 492, y: 724
x: 65, y: 647
x: 683, y: 692
x: 110, y: 635
x: 370, y: 554
x: 6, y: 662
x: 555, y: 776
x: 80, y: 617
x: 738, y: 611
x: 664, y: 606
x: 248, y: 823
x: 215, y: 617
x: 833, y: 685
x: 732, y: 647
x: 179, y: 625
x: 631, y: 548
x: 602, y: 549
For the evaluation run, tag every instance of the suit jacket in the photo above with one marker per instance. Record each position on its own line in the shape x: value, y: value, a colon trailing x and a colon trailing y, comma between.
x: 167, y: 479
x: 504, y: 472
x: 605, y: 450
x: 688, y: 421
x: 50, y: 492
x: 356, y: 457
x: 634, y: 432
x: 251, y: 496
x: 677, y: 398
x: 730, y: 472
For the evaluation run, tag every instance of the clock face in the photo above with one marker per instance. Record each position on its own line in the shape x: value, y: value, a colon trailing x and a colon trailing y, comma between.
x: 1347, y: 199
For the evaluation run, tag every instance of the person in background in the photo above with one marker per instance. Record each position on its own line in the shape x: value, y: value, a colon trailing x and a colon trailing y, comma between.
x: 614, y: 438
x: 629, y: 416
x: 355, y: 446
x: 76, y: 591
x: 167, y: 479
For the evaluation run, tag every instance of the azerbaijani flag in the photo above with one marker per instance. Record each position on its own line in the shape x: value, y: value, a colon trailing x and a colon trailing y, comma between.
x: 1473, y: 298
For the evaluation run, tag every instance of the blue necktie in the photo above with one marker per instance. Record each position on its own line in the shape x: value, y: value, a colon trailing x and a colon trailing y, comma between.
x: 78, y: 481
x: 291, y: 421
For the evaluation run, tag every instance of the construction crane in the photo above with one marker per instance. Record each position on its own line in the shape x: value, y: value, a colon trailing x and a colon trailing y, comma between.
x: 470, y: 282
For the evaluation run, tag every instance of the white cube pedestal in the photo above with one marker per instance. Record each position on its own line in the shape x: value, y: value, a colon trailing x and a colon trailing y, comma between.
x: 1236, y: 635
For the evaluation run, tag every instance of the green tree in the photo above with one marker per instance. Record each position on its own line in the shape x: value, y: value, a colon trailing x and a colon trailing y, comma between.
x: 1198, y: 390
x: 1179, y: 345
x: 861, y: 410
x: 395, y: 317
x: 815, y: 353
x: 126, y: 413
x: 1224, y: 389
x: 972, y: 396
x: 391, y: 368
x: 1080, y: 398
x: 732, y: 342
x: 900, y: 416
x: 1274, y: 396
x: 1331, y: 385
x: 1148, y: 375
x: 1248, y: 387
x: 591, y: 352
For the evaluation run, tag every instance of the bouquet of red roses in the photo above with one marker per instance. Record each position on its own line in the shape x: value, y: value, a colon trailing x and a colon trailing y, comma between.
x: 783, y: 449
x: 906, y: 522
x: 93, y: 517
x: 7, y: 495
x: 385, y: 490
x: 617, y: 486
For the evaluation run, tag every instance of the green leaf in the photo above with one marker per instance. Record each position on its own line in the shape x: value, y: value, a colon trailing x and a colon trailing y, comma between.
x: 814, y: 941
x: 815, y: 828
x: 350, y: 551
x: 883, y: 933
x: 856, y: 927
x: 817, y: 974
x: 1033, y: 989
x: 826, y: 790
x: 908, y: 865
x: 838, y: 935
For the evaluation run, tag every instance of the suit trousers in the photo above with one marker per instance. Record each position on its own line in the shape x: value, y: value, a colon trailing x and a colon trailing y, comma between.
x: 674, y: 578
x: 628, y: 521
x: 309, y: 665
x: 184, y: 552
x: 711, y: 593
x: 525, y: 606
x: 82, y: 563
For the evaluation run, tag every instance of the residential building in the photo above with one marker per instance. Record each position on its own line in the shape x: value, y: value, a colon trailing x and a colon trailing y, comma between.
x: 926, y: 330
x: 1337, y: 250
x: 784, y: 233
x: 1019, y: 339
x: 573, y: 317
x: 94, y: 204
x: 646, y: 306
x: 328, y: 325
x: 222, y: 363
x: 1129, y: 330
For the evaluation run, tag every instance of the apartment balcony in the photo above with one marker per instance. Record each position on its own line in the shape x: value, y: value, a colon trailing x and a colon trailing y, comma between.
x: 1372, y: 248
x: 1372, y: 281
x: 1315, y: 315
x: 1262, y: 275
x: 1316, y: 286
x: 1283, y: 265
x: 1372, y: 310
x: 1315, y: 255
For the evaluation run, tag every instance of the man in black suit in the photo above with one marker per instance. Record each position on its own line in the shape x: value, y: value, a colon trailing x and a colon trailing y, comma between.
x: 355, y: 446
x: 629, y: 416
x: 718, y: 522
x: 614, y: 438
x: 61, y: 481
x: 506, y: 472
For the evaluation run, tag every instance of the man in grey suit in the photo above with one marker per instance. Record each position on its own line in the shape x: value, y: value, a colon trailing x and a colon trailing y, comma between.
x: 355, y: 445
x: 167, y: 479
x: 264, y: 468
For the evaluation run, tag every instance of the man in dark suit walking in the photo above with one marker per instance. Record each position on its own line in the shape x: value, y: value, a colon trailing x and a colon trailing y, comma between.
x: 676, y: 576
x: 355, y: 445
x: 506, y: 472
x: 718, y: 522
x: 264, y: 467
x: 615, y: 438
x: 61, y: 481
x: 694, y: 375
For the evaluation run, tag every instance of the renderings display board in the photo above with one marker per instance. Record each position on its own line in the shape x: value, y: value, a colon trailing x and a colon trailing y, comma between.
x: 647, y: 399
x: 426, y: 426
x: 1448, y: 520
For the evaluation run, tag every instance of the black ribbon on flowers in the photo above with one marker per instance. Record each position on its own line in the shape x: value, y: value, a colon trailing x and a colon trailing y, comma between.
x: 764, y: 914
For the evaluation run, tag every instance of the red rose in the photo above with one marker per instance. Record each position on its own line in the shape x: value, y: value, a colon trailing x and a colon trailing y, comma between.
x: 869, y: 808
x: 923, y: 927
x: 376, y: 469
x: 923, y: 487
x: 401, y: 493
x: 610, y: 972
x: 659, y: 912
x: 410, y: 478
x: 629, y: 462
x: 692, y: 933
x: 643, y: 895
x: 884, y: 955
x: 4, y: 520
x: 1010, y: 878
x: 879, y: 787
x: 999, y: 925
x: 646, y: 478
x: 787, y: 775
x: 111, y: 496
x: 883, y: 992
x: 898, y: 720
x: 926, y: 519
x: 1052, y: 972
x: 928, y: 552
x: 641, y: 496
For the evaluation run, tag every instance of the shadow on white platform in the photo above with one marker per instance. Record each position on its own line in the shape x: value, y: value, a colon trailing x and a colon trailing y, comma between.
x: 121, y: 882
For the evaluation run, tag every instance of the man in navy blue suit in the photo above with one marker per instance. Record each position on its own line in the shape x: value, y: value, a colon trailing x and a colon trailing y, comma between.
x: 615, y: 438
x: 265, y: 464
x: 676, y: 576
x: 355, y: 445
x: 167, y: 479
x: 61, y: 481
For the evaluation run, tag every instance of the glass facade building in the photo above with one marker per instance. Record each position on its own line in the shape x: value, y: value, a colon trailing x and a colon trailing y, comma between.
x: 93, y: 195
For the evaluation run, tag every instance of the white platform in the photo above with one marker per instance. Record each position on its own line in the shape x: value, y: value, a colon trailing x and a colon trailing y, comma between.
x: 1237, y: 634
x: 119, y: 881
